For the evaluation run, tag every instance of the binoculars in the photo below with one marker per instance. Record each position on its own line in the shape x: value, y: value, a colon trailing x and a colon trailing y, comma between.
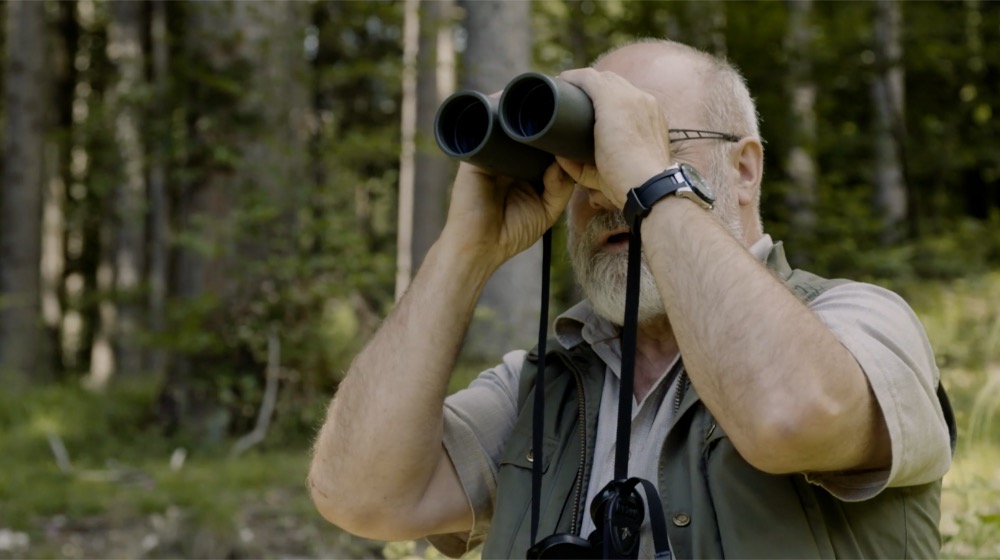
x: 537, y: 117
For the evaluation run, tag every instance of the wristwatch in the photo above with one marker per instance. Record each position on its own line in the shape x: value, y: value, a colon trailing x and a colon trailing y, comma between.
x: 680, y: 179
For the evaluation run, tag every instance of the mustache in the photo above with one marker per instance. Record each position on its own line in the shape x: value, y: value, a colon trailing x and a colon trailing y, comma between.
x: 601, y: 223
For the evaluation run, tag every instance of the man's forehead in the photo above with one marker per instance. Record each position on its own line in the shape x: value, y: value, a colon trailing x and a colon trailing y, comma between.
x: 674, y: 77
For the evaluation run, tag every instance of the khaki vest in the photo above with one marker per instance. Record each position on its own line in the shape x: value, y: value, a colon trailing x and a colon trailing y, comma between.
x: 716, y: 504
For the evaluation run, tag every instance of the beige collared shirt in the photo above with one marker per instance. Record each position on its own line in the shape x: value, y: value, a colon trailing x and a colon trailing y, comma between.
x: 874, y: 324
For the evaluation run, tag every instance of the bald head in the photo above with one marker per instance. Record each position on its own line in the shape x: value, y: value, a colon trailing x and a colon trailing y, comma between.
x: 695, y: 89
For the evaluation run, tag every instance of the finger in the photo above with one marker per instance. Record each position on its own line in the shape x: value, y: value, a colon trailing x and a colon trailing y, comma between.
x: 587, y: 79
x: 558, y: 189
x: 572, y: 168
x: 589, y: 177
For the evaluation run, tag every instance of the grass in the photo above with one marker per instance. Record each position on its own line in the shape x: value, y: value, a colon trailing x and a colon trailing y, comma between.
x: 970, y: 504
x: 257, y: 505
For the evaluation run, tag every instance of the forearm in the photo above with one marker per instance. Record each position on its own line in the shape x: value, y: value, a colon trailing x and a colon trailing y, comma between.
x: 381, y: 442
x: 788, y: 394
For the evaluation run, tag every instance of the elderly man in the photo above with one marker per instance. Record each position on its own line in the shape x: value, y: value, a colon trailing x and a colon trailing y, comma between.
x: 778, y: 413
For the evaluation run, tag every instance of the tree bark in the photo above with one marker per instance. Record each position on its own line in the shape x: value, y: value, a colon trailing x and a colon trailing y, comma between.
x: 407, y: 156
x: 21, y: 201
x: 800, y: 161
x: 125, y: 52
x: 499, y: 48
x: 63, y: 44
x: 244, y: 207
x: 159, y: 202
x: 707, y: 21
x: 425, y: 172
x: 888, y: 98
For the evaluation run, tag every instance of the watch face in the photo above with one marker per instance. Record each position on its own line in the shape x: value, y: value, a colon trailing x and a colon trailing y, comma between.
x: 698, y: 183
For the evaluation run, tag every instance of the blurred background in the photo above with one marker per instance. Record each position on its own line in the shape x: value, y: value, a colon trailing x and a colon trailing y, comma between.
x: 207, y: 207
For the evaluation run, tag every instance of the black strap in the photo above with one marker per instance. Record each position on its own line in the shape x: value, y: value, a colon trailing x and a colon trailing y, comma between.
x: 628, y: 355
x: 626, y: 388
x: 657, y: 521
x: 949, y: 416
x: 538, y: 415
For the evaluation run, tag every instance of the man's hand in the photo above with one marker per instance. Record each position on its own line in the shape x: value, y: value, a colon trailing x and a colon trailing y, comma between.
x: 495, y: 218
x: 631, y: 140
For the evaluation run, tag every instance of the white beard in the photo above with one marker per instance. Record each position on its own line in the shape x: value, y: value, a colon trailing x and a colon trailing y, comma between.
x: 603, y: 276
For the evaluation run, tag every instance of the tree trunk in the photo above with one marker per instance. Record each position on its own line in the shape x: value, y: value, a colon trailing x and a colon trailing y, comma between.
x: 127, y: 239
x: 244, y: 207
x: 21, y: 203
x: 425, y: 173
x: 499, y: 48
x: 54, y: 218
x: 800, y: 162
x: 707, y: 26
x: 159, y: 203
x: 888, y: 98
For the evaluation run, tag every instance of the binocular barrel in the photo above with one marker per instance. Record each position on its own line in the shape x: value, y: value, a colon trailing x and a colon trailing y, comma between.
x: 536, y: 117
x: 467, y: 128
x: 549, y: 114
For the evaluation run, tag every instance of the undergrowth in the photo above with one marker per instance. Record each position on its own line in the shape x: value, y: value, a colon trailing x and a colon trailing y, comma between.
x: 123, y: 472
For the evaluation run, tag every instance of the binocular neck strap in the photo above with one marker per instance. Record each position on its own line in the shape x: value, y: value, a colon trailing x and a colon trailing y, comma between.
x: 626, y: 385
x: 538, y: 414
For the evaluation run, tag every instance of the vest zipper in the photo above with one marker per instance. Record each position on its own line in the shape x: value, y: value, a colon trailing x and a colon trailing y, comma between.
x: 577, y: 521
x: 682, y: 385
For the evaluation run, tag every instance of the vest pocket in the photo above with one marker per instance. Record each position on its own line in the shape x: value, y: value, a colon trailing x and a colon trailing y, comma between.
x: 523, y: 456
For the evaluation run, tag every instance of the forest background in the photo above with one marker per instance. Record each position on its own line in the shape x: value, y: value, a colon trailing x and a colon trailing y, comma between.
x: 207, y: 207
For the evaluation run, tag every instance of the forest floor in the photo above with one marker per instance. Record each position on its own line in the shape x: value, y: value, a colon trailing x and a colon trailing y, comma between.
x: 86, y: 476
x: 257, y: 506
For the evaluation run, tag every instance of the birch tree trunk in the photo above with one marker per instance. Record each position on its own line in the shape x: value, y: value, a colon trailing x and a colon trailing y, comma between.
x: 888, y: 98
x: 121, y: 325
x: 63, y: 45
x: 21, y: 200
x: 425, y: 173
x: 499, y: 48
x: 800, y: 162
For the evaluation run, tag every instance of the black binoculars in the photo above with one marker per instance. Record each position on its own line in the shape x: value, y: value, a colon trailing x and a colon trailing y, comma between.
x: 536, y: 118
x: 618, y: 511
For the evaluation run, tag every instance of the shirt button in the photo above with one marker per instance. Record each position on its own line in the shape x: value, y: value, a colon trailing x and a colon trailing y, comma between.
x: 531, y: 456
x: 682, y: 520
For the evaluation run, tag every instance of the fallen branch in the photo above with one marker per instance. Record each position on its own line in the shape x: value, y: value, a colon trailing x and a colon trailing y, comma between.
x: 113, y: 474
x: 270, y: 398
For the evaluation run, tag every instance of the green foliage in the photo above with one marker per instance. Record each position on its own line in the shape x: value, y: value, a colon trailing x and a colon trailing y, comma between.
x: 970, y: 519
x: 92, y: 424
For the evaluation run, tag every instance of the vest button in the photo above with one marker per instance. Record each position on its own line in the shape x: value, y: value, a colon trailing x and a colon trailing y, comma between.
x: 530, y: 456
x: 682, y: 520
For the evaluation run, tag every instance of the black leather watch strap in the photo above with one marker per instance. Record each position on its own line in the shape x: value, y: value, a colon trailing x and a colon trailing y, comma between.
x: 641, y: 199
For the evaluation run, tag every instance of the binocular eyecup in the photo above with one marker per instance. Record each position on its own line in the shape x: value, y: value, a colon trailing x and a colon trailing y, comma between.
x: 536, y: 118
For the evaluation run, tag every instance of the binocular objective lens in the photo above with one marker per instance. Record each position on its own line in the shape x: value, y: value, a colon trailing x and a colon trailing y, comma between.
x: 463, y: 125
x: 535, y: 110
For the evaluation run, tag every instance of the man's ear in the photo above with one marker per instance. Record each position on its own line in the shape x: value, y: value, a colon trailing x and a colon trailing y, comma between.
x: 748, y: 159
